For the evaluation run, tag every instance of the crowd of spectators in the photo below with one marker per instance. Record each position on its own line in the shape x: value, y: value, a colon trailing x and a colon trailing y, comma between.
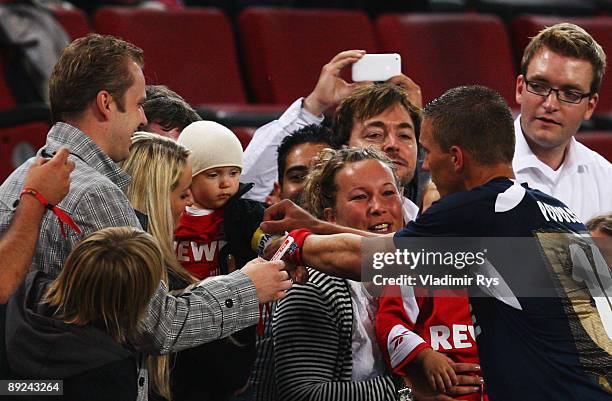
x: 138, y: 243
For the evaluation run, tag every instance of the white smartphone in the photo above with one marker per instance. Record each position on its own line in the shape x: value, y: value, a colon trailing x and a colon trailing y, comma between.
x: 377, y: 67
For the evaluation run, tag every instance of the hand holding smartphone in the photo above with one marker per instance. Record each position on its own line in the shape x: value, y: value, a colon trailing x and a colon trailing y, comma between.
x: 377, y: 67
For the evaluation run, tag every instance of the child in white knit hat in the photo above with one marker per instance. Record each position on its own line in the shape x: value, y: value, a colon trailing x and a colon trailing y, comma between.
x: 214, y: 237
x: 216, y: 159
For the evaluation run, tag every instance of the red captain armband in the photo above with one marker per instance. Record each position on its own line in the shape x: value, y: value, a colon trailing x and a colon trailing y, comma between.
x: 63, y: 217
x: 295, y: 255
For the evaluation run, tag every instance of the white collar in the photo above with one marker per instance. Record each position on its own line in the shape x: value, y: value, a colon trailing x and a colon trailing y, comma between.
x: 194, y: 211
x: 524, y: 157
x: 410, y: 211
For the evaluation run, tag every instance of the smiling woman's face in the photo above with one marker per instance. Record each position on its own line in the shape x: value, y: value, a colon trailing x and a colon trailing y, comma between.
x: 367, y: 198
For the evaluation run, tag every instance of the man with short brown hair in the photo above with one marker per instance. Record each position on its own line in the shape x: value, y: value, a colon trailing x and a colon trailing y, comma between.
x: 167, y: 112
x: 561, y: 72
x: 97, y: 92
x: 380, y: 115
x: 552, y: 343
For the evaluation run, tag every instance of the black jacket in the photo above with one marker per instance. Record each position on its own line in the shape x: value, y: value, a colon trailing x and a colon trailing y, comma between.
x: 92, y: 365
x: 241, y: 218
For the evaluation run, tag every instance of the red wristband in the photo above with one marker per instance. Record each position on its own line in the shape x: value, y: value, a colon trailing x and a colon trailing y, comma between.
x: 37, y: 195
x: 299, y: 237
x: 61, y: 215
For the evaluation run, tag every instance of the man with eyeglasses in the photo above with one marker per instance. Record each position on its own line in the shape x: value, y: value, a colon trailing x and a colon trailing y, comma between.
x: 561, y: 72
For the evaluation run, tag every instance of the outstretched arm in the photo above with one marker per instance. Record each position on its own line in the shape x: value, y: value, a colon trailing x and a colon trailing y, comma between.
x: 338, y: 255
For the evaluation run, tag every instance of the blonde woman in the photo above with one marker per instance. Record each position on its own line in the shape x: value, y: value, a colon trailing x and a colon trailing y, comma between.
x: 325, y: 330
x: 161, y: 175
x: 81, y: 330
x: 324, y: 342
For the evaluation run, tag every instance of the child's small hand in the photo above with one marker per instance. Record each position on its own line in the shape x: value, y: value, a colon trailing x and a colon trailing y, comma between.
x: 438, y: 371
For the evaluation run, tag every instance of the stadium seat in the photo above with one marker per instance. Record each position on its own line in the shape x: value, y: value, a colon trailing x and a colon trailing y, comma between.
x: 510, y: 8
x: 599, y: 141
x: 442, y: 51
x: 284, y: 49
x: 74, y: 22
x: 19, y: 143
x: 191, y: 51
x: 6, y: 98
x: 600, y: 28
x: 244, y: 135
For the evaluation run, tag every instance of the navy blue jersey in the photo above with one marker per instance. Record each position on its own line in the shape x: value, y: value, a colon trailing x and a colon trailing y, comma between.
x: 546, y: 348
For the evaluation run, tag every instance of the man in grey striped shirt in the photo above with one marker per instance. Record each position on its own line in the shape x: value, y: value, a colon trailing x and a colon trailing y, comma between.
x: 96, y: 91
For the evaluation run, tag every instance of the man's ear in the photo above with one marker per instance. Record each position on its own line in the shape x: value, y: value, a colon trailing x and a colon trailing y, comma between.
x: 275, y: 195
x: 103, y: 104
x: 591, y: 106
x: 518, y: 94
x: 457, y: 157
x: 329, y: 215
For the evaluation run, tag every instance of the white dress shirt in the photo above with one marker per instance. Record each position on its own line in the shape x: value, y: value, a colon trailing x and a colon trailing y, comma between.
x: 259, y: 162
x: 583, y: 181
x: 368, y: 362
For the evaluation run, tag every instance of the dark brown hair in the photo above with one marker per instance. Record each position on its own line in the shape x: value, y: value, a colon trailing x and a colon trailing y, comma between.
x: 475, y: 118
x: 168, y: 109
x: 366, y: 102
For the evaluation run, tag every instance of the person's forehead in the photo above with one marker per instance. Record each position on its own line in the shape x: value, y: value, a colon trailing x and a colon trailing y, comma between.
x: 552, y: 65
x: 304, y: 152
x: 396, y: 113
x: 352, y: 174
x: 138, y: 84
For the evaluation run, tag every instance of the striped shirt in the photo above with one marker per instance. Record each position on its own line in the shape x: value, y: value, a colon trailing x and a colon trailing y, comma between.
x: 312, y: 347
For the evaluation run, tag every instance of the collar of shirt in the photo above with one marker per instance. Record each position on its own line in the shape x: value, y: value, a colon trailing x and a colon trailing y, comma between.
x: 524, y: 158
x: 409, y: 209
x: 83, y: 147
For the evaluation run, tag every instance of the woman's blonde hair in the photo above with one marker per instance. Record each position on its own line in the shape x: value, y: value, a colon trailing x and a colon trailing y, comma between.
x: 320, y: 189
x: 156, y: 164
x: 108, y: 280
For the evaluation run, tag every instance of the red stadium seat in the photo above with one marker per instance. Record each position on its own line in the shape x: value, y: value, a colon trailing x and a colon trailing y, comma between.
x: 527, y: 26
x: 244, y: 134
x: 509, y: 8
x: 74, y: 22
x: 284, y: 49
x: 19, y: 143
x: 6, y: 98
x: 442, y: 51
x: 599, y: 141
x: 191, y: 51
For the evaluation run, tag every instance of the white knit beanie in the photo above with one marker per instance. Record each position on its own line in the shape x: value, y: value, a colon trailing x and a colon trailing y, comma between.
x: 212, y: 145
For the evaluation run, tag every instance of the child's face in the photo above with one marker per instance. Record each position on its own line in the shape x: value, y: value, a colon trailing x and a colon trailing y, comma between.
x: 212, y: 188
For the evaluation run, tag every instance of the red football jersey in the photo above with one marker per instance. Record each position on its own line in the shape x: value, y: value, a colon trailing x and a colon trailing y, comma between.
x: 409, y: 320
x: 198, y: 240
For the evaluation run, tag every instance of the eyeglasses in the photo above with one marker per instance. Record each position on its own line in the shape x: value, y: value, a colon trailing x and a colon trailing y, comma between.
x: 564, y: 95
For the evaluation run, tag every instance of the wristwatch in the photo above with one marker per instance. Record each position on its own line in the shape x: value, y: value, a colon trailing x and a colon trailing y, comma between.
x: 404, y: 393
